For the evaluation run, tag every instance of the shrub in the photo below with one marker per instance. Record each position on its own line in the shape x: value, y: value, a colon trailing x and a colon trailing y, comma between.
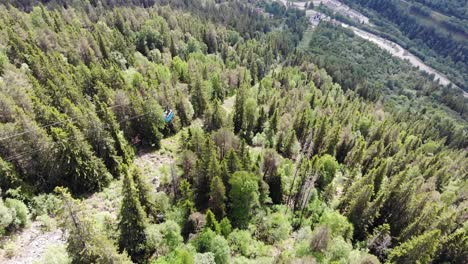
x: 205, y: 258
x: 274, y: 228
x: 45, y: 204
x: 56, y: 254
x: 47, y: 223
x: 163, y: 238
x: 10, y: 249
x: 5, y: 217
x: 162, y: 202
x: 338, y: 224
x: 202, y: 242
x: 339, y: 250
x: 180, y: 255
x: 19, y: 211
x: 220, y: 248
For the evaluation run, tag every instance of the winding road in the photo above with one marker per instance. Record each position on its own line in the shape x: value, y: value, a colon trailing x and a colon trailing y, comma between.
x: 391, y: 47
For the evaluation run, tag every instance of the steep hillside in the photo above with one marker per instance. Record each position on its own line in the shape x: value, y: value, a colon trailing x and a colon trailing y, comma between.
x: 198, y: 132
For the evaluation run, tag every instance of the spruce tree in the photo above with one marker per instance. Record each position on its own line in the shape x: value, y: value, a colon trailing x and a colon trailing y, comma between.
x: 239, y: 107
x: 420, y: 249
x: 198, y: 99
x: 145, y: 196
x: 211, y: 222
x: 133, y: 222
x: 217, y: 197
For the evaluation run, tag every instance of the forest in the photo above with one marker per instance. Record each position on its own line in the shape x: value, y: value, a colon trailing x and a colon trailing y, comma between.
x: 441, y: 40
x: 334, y: 154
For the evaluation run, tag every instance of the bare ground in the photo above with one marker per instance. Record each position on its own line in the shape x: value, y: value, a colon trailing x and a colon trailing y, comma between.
x: 31, y: 244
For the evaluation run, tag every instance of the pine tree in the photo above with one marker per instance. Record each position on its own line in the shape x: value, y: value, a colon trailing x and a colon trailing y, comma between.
x: 250, y: 119
x: 225, y: 226
x: 211, y: 222
x: 217, y: 197
x: 420, y: 249
x: 132, y: 224
x: 186, y: 196
x: 244, y: 154
x: 261, y: 120
x: 198, y: 99
x: 182, y: 112
x: 214, y: 117
x: 356, y: 211
x: 145, y: 197
x: 453, y: 247
x: 233, y: 162
x: 239, y: 106
x: 217, y: 89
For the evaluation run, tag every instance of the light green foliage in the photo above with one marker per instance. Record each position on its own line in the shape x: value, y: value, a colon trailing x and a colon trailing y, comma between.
x: 274, y: 228
x: 338, y: 224
x: 47, y: 223
x: 8, y: 176
x: 6, y: 218
x: 45, y: 204
x: 221, y: 250
x: 19, y: 212
x: 11, y: 249
x: 327, y: 167
x: 208, y: 241
x: 359, y: 257
x: 163, y: 238
x: 242, y: 243
x: 244, y: 197
x: 181, y: 255
x: 205, y: 258
x: 161, y: 202
x: 3, y: 62
x: 212, y: 223
x: 55, y: 255
x: 202, y: 242
x: 339, y: 250
x: 225, y: 227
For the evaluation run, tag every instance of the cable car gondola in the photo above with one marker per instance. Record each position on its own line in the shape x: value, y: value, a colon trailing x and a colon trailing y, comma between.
x: 168, y: 115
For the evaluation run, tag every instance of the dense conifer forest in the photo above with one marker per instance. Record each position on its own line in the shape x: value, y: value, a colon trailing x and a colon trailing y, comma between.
x: 332, y: 153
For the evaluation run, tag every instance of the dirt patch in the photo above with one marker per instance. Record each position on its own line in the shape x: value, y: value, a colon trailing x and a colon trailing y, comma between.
x: 31, y: 244
x: 228, y: 104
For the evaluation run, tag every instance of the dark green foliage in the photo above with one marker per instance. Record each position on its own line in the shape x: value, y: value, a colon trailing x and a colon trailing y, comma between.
x: 198, y: 99
x: 133, y: 222
x: 420, y: 249
x: 239, y: 105
x: 217, y: 197
x: 80, y: 97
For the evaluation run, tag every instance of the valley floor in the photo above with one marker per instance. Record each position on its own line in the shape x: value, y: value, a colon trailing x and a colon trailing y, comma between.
x: 391, y: 47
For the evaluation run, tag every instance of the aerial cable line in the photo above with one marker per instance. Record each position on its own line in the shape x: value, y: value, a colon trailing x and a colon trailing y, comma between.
x: 20, y: 155
x: 52, y: 124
